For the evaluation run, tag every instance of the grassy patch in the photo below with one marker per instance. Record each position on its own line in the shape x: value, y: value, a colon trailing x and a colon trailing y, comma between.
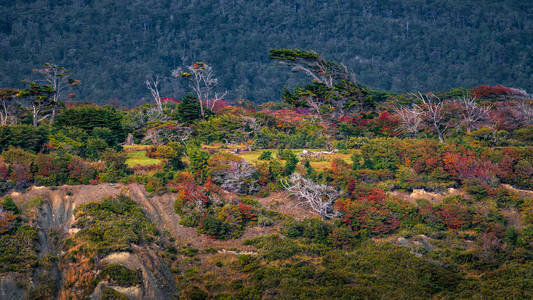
x: 253, y: 156
x: 139, y: 158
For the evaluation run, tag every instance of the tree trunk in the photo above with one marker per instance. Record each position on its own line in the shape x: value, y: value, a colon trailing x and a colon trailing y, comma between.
x: 441, y: 138
x: 201, y: 108
x: 53, y: 115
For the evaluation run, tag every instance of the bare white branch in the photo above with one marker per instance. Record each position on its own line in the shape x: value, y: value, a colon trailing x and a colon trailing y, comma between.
x: 153, y: 86
x: 432, y: 109
x: 410, y: 120
x: 319, y: 197
x: 471, y: 112
x: 202, y: 82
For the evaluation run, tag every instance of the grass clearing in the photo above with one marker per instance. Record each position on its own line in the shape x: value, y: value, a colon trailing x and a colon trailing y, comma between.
x: 139, y: 158
x: 253, y: 156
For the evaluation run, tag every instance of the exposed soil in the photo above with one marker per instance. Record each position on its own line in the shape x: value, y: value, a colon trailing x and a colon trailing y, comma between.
x: 434, y: 198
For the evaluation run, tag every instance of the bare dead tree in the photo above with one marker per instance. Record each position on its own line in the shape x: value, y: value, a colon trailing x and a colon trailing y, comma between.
x: 164, y: 134
x: 432, y: 109
x: 250, y: 127
x: 471, y: 112
x: 410, y: 120
x: 236, y: 177
x: 319, y: 197
x: 203, y: 82
x: 524, y: 111
x: 153, y: 85
x: 7, y: 103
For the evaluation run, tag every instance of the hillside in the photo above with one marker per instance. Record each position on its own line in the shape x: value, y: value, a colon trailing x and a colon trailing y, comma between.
x: 339, y: 192
x: 399, y: 46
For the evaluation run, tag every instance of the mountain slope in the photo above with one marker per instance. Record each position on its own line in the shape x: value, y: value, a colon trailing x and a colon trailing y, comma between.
x: 399, y: 46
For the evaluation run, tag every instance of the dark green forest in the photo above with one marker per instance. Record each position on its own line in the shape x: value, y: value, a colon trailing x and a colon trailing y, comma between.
x: 113, y: 46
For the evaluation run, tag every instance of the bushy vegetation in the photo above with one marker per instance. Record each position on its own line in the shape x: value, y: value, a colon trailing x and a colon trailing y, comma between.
x: 120, y: 275
x: 113, y: 225
x: 348, y: 192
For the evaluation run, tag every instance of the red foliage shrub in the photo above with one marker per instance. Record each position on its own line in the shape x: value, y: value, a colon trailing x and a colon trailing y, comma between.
x: 7, y: 220
x: 20, y: 173
x: 248, y: 212
x: 369, y: 211
x: 191, y: 192
x: 3, y: 171
x: 467, y: 166
x: 385, y: 124
x: 453, y: 216
x: 81, y: 171
x: 487, y: 91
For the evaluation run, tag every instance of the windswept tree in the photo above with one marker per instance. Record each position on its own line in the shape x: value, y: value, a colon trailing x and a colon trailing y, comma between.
x: 40, y: 101
x: 433, y: 111
x: 203, y: 82
x: 471, y: 112
x: 334, y: 91
x: 7, y: 103
x: 58, y: 78
x: 312, y: 64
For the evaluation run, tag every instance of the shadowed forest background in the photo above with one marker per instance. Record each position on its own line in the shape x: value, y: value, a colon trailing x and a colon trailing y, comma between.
x: 113, y: 46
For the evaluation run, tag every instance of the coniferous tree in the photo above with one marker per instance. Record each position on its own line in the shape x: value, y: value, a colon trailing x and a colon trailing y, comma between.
x: 188, y: 109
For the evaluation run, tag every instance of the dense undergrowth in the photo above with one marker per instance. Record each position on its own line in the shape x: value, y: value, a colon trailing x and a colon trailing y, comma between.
x: 352, y: 198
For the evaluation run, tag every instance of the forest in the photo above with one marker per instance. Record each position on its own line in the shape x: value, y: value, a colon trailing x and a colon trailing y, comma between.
x: 398, y: 46
x: 338, y: 191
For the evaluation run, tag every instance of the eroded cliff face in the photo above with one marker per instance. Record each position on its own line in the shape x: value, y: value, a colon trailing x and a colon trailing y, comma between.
x: 60, y: 276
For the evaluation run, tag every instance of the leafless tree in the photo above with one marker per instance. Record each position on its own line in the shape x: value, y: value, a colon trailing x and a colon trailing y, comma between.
x: 432, y: 109
x: 7, y: 103
x: 236, y: 177
x: 153, y: 85
x: 59, y: 79
x: 163, y: 134
x: 203, y: 82
x: 524, y: 111
x: 471, y: 112
x: 410, y: 119
x: 249, y: 128
x: 319, y: 197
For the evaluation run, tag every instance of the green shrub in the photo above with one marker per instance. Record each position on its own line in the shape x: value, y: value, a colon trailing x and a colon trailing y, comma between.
x: 18, y: 249
x: 195, y: 293
x: 357, y: 161
x: 111, y: 294
x: 266, y: 155
x: 113, y: 225
x: 381, y: 154
x: 9, y: 205
x: 247, y: 262
x: 291, y: 161
x: 120, y: 275
x: 102, y: 122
